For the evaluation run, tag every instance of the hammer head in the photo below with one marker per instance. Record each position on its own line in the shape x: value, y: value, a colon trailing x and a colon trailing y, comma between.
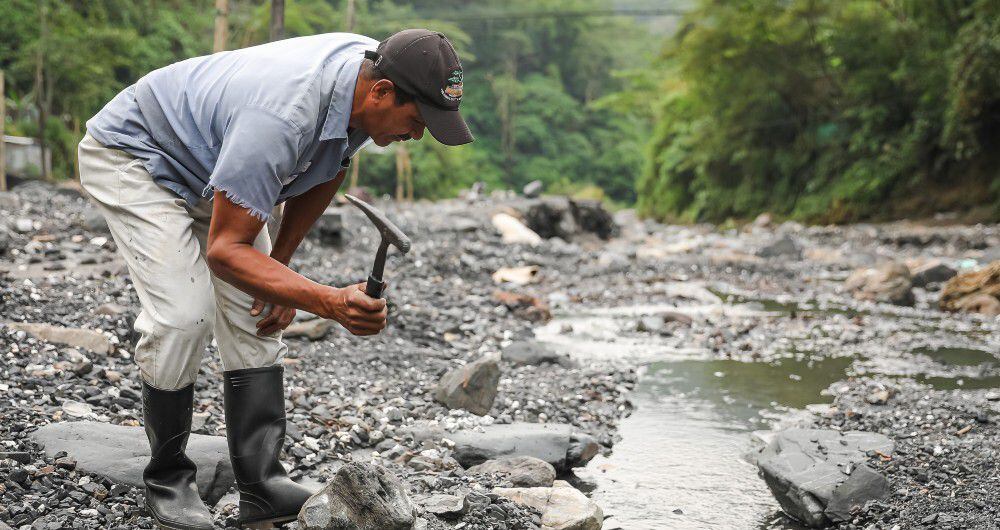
x: 390, y: 232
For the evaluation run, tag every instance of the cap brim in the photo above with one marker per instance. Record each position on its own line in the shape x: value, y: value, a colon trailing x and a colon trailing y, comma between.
x: 446, y: 126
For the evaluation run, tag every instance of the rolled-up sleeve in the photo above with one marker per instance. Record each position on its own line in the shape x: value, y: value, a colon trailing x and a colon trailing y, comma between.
x: 259, y: 150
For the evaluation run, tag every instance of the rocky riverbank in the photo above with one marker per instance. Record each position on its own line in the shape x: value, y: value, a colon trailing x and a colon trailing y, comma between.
x: 471, y: 289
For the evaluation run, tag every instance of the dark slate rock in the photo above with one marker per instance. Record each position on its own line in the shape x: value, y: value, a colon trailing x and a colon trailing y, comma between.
x: 808, y: 470
x: 120, y: 453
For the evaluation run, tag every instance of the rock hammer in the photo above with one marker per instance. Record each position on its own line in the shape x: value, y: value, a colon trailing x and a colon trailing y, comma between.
x: 391, y: 235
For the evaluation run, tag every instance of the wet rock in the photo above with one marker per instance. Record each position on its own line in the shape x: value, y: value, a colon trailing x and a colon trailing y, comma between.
x: 533, y: 189
x: 329, y: 228
x: 359, y: 497
x: 966, y: 292
x: 121, y: 453
x: 582, y: 448
x: 5, y: 240
x: 889, y: 283
x: 932, y: 272
x: 472, y: 387
x: 563, y: 507
x: 808, y: 469
x: 546, y: 441
x: 522, y: 471
x: 513, y: 231
x: 862, y: 485
x: 314, y: 329
x: 530, y: 353
x: 87, y: 339
x: 784, y: 247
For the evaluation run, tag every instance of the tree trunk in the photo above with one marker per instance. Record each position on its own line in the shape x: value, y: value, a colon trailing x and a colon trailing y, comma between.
x: 277, y: 19
x: 221, y: 25
x: 40, y: 100
x: 3, y: 143
x: 350, y: 17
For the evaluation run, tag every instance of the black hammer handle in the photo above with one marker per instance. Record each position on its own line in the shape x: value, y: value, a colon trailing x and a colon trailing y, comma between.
x: 375, y: 287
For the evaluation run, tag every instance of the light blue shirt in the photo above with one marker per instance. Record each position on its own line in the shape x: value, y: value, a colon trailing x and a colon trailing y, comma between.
x: 261, y: 124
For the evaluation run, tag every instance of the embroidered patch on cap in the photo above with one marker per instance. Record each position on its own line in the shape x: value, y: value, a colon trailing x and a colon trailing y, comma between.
x: 453, y: 92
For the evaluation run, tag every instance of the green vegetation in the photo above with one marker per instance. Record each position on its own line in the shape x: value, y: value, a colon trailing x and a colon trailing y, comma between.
x: 827, y: 111
x: 531, y: 83
x: 818, y: 110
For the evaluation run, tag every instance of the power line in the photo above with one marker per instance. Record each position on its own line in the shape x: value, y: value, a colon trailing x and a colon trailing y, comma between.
x: 510, y: 15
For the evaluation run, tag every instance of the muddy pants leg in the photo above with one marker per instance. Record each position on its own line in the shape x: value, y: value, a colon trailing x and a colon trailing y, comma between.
x: 152, y: 228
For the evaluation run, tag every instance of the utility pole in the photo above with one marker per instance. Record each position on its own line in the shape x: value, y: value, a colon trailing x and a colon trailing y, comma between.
x: 277, y: 19
x: 221, y: 25
x: 349, y: 18
x: 3, y: 143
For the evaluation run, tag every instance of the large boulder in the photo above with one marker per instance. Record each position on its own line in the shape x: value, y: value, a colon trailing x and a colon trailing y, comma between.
x: 472, y: 387
x: 359, y: 497
x: 121, y: 453
x: 563, y: 507
x: 890, y: 283
x: 555, y: 443
x: 819, y: 475
x: 522, y: 471
x: 87, y: 339
x: 973, y: 291
x: 564, y: 218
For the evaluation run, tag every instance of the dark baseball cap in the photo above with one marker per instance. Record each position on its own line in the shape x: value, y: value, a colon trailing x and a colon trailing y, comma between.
x: 424, y: 63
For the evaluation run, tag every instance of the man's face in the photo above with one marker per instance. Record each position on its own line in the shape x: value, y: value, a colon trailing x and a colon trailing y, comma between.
x: 387, y: 122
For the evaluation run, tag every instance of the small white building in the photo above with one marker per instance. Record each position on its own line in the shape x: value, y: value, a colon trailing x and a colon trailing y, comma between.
x: 24, y: 157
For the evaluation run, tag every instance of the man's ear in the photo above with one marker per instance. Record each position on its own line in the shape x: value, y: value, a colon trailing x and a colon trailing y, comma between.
x: 382, y: 88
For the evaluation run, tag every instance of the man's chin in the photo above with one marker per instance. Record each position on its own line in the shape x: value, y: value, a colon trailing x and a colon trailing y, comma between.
x: 382, y: 142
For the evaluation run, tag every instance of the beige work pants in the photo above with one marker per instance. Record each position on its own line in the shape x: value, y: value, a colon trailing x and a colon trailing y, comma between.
x: 163, y: 242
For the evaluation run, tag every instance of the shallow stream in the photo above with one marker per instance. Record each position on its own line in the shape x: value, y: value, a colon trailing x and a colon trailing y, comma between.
x: 681, y: 460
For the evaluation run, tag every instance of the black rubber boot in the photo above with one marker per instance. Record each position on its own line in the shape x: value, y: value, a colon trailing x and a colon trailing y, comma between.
x: 255, y: 427
x: 171, y: 491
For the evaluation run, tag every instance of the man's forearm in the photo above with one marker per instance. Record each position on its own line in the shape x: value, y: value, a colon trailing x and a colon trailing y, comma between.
x: 300, y: 214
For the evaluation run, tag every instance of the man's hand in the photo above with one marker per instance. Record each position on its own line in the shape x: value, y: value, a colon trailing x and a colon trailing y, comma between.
x: 277, y: 319
x: 356, y: 311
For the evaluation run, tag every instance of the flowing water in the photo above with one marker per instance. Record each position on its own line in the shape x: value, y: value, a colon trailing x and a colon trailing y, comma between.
x: 681, y: 461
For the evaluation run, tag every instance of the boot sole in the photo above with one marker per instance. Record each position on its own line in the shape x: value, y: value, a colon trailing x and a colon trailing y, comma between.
x: 268, y: 523
x: 164, y: 525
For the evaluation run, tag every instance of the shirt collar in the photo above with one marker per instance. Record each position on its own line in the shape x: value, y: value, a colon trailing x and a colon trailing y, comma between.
x: 342, y: 98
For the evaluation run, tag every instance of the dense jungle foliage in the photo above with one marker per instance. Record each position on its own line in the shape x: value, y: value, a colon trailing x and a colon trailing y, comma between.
x: 819, y: 110
x: 827, y: 111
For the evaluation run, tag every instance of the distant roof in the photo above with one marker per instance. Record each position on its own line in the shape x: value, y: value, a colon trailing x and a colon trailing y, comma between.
x: 19, y: 140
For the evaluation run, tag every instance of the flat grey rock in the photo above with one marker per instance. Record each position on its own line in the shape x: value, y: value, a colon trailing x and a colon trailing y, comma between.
x: 530, y: 353
x: 546, y: 441
x: 817, y: 474
x: 121, y: 453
